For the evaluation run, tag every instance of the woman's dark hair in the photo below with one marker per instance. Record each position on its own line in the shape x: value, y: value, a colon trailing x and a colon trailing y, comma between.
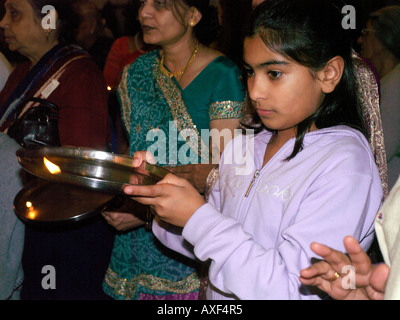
x: 385, y: 22
x: 132, y: 24
x: 234, y: 16
x: 310, y: 33
x: 64, y: 12
x: 206, y: 31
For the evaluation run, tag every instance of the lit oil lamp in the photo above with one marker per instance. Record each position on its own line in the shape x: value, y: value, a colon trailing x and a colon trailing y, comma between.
x: 53, y: 168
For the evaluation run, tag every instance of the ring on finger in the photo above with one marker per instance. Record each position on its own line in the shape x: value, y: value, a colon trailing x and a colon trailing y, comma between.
x: 334, y: 277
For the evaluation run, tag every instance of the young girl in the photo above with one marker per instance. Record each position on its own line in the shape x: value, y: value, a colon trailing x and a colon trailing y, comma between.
x: 307, y: 174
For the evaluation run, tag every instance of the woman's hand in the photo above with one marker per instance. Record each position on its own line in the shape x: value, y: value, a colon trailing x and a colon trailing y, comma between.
x: 122, y: 221
x: 196, y: 174
x: 370, y: 281
x: 126, y: 214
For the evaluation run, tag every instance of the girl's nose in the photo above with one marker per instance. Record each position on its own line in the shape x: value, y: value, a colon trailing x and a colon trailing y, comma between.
x: 256, y: 88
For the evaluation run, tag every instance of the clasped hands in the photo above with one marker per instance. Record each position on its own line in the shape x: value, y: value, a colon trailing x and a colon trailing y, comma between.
x: 173, y: 199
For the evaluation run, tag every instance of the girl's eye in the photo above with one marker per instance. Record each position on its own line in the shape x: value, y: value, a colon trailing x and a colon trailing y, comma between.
x: 249, y: 72
x: 274, y: 74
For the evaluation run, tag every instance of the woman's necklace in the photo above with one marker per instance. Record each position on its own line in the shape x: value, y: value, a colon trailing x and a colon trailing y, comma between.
x: 170, y: 75
x: 182, y: 71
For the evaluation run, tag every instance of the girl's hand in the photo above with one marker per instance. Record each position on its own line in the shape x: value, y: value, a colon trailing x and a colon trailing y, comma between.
x: 174, y: 199
x: 370, y: 280
x: 140, y: 156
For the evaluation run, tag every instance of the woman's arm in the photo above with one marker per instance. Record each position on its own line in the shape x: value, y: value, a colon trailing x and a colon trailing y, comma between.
x: 222, y: 131
x: 82, y: 99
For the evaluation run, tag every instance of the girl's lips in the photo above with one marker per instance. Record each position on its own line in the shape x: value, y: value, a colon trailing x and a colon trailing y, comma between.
x: 264, y: 113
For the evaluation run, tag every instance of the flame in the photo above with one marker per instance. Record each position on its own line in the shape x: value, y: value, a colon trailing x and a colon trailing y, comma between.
x: 53, y: 168
x: 32, y: 213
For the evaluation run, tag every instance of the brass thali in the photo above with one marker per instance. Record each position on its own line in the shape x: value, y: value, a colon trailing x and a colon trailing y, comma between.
x: 76, y: 183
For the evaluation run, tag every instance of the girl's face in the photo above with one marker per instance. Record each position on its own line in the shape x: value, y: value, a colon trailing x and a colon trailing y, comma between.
x: 159, y: 23
x: 22, y: 30
x: 283, y: 92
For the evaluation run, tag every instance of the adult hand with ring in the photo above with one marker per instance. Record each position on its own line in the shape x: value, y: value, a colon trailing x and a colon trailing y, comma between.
x: 323, y: 274
x: 335, y: 277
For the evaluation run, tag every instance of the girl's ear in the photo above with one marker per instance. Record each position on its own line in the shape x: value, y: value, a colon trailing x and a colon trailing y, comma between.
x: 331, y: 74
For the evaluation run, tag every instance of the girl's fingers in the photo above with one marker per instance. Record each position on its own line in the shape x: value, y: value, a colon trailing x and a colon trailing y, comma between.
x: 140, y: 156
x: 143, y: 191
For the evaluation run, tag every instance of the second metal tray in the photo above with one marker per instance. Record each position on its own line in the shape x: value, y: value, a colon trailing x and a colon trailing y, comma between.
x: 97, y: 170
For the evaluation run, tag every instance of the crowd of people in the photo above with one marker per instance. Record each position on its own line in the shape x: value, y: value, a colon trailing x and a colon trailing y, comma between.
x: 306, y: 166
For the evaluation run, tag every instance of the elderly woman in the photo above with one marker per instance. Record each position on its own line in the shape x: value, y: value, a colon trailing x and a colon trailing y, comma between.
x: 66, y: 76
x: 379, y: 44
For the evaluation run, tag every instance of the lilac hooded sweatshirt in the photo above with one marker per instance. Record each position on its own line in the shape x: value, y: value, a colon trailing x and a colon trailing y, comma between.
x: 256, y: 229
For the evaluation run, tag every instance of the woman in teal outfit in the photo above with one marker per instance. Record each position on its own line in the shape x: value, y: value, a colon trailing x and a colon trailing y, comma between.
x: 168, y: 97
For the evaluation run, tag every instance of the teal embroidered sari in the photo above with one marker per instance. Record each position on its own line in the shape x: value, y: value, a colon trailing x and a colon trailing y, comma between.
x: 155, y: 110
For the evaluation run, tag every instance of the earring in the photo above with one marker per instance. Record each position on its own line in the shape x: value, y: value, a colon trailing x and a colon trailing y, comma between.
x: 193, y: 17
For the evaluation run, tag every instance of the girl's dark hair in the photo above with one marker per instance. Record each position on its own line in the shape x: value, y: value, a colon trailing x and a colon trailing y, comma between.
x: 310, y: 33
x: 206, y: 31
x: 64, y: 12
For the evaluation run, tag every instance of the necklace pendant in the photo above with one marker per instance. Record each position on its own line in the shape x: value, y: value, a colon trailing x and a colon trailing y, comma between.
x: 180, y: 72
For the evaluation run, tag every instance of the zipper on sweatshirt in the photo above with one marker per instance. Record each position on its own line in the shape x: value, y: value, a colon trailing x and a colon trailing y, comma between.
x: 252, y: 182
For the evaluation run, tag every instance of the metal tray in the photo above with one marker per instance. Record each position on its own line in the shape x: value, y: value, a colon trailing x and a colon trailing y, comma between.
x: 97, y: 170
x: 41, y: 201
